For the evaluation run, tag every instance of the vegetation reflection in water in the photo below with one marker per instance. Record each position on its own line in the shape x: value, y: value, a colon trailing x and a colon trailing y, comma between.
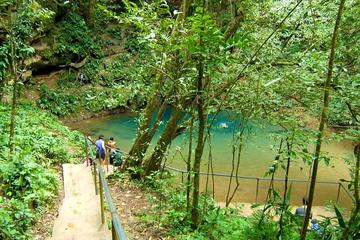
x: 258, y: 154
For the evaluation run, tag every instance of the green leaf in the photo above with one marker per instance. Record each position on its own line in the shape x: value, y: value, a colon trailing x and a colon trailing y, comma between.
x: 288, y: 195
x: 339, y: 217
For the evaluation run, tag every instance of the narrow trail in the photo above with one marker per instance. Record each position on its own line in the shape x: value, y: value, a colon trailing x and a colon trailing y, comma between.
x: 79, y: 215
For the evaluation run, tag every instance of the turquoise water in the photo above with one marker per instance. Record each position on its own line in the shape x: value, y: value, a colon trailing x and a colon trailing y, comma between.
x: 258, y: 154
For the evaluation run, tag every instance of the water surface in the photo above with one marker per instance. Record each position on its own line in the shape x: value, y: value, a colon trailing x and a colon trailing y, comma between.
x: 258, y: 155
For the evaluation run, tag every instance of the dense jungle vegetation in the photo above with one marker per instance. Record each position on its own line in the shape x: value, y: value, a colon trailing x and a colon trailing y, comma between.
x: 292, y: 63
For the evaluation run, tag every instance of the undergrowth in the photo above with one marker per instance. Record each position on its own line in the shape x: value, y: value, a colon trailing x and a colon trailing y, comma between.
x: 28, y: 178
x: 170, y: 216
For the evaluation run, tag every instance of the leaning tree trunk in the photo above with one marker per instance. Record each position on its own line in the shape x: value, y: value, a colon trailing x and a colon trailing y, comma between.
x: 234, y: 24
x: 153, y: 163
x: 145, y: 134
x: 323, y: 121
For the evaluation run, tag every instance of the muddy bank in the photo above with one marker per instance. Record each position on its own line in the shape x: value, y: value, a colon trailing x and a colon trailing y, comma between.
x: 89, y: 115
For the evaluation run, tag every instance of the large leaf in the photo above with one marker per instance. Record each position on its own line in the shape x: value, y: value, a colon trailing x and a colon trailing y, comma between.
x: 339, y: 217
x: 288, y: 195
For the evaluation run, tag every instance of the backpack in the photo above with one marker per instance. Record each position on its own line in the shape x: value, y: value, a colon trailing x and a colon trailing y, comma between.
x: 117, y: 159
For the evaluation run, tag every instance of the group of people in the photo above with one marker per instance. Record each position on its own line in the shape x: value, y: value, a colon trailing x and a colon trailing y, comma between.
x: 102, y: 150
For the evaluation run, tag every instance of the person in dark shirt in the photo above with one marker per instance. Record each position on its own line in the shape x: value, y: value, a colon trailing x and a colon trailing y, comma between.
x: 100, y: 149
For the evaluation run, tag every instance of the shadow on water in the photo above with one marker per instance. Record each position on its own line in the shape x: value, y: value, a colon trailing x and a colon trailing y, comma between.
x: 258, y: 154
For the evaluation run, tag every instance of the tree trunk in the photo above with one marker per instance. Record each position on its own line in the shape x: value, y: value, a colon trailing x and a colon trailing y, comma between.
x: 234, y: 24
x: 271, y: 185
x: 15, y: 82
x: 200, y: 145
x: 356, y: 210
x: 188, y: 165
x: 237, y: 140
x: 153, y: 163
x: 2, y: 88
x: 145, y: 134
x: 289, y: 150
x: 91, y: 13
x: 185, y: 9
x: 323, y: 121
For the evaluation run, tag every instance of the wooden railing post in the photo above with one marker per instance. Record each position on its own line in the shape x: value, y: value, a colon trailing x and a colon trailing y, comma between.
x: 101, y: 199
x: 257, y: 190
x: 113, y: 234
x: 95, y: 182
x: 87, y: 151
x: 338, y: 193
x: 62, y: 175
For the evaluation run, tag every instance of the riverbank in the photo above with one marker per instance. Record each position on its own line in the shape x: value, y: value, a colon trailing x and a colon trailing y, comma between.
x: 87, y: 115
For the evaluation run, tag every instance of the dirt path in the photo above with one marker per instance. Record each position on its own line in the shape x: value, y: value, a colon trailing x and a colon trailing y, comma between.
x: 79, y: 215
x: 131, y: 204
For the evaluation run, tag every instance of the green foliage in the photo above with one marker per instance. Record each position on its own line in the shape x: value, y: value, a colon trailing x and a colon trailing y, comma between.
x: 122, y: 71
x: 37, y: 17
x: 23, y: 178
x: 30, y: 21
x: 94, y: 100
x: 65, y: 103
x: 4, y: 60
x: 170, y: 216
x: 339, y: 217
x: 91, y: 71
x: 6, y: 3
x: 15, y: 218
x: 58, y: 102
x: 122, y: 84
x: 41, y: 134
x: 135, y: 45
x: 74, y: 40
x: 67, y: 80
x: 28, y: 183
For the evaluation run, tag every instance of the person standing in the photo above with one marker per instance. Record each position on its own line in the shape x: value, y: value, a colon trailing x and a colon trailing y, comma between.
x: 112, y: 150
x: 100, y: 149
x: 111, y: 143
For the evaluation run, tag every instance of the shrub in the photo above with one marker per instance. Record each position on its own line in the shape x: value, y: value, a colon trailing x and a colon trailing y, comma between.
x: 28, y: 184
x: 57, y: 102
x: 74, y: 40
